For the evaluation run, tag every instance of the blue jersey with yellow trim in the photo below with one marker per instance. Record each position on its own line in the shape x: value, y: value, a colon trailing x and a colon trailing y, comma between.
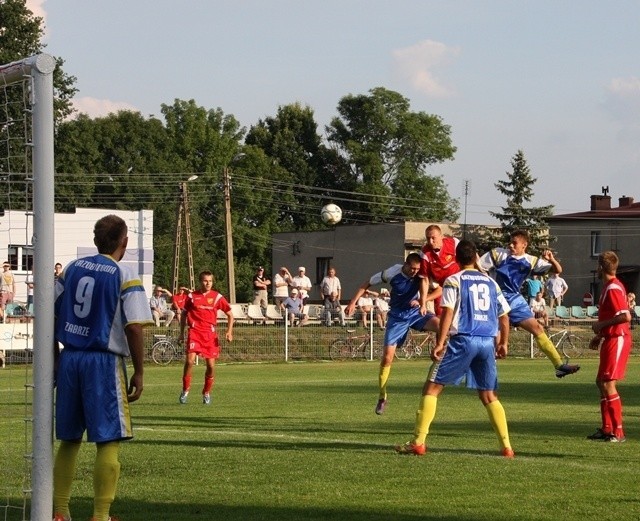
x: 511, y: 271
x: 404, y: 289
x: 477, y: 302
x: 96, y: 298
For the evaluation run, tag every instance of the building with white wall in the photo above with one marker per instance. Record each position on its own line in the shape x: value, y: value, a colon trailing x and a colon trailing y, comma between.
x: 74, y: 239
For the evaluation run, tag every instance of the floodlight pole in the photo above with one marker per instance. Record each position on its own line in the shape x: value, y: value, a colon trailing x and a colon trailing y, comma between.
x: 183, y: 210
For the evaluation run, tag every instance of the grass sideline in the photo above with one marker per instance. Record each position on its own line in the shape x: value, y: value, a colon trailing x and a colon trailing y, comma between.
x: 301, y: 441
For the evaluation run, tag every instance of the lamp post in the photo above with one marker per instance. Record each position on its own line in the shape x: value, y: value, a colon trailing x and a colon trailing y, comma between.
x: 183, y: 210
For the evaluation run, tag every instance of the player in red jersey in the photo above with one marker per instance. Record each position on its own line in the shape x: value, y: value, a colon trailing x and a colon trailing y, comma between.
x: 613, y: 336
x: 201, y: 313
x: 438, y: 260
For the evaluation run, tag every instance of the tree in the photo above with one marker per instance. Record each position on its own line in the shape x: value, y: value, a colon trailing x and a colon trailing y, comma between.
x: 388, y: 150
x: 519, y: 190
x: 20, y: 37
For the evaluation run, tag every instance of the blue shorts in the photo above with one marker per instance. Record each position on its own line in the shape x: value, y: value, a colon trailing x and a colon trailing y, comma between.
x: 473, y: 357
x: 91, y: 395
x: 398, y: 324
x: 520, y: 310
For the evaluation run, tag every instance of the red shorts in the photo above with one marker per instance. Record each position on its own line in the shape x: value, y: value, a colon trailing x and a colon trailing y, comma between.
x: 614, y: 354
x: 203, y: 343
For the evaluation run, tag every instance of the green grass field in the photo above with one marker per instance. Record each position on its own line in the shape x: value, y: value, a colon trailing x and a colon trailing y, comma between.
x: 301, y: 441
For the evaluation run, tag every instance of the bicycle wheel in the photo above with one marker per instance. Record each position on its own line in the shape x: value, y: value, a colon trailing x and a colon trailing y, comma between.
x: 571, y: 346
x: 365, y: 350
x: 163, y: 352
x: 340, y: 349
x: 406, y: 350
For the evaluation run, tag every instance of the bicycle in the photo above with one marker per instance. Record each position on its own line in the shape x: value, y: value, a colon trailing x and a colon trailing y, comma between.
x: 165, y: 349
x: 566, y: 342
x: 415, y: 344
x: 353, y: 346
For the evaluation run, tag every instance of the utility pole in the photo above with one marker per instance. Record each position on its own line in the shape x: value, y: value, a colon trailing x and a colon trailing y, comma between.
x: 183, y: 211
x: 467, y: 185
x: 231, y: 277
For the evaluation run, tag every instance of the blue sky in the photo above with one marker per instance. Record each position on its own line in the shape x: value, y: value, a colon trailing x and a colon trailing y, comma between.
x: 558, y: 79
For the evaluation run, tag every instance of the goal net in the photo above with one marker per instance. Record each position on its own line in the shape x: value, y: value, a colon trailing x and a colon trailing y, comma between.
x: 26, y: 245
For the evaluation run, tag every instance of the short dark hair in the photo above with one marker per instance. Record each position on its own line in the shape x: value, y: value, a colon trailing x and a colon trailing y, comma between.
x: 108, y: 233
x: 206, y: 273
x: 466, y: 252
x: 523, y: 234
x: 413, y: 257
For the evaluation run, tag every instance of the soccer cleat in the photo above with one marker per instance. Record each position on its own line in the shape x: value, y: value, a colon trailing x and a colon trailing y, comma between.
x: 612, y: 438
x: 60, y: 517
x: 565, y: 369
x: 411, y: 448
x: 206, y: 398
x: 507, y: 452
x: 380, y: 406
x: 599, y: 435
x: 183, y: 396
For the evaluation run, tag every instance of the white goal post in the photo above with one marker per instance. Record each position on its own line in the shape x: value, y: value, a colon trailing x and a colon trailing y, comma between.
x: 38, y: 70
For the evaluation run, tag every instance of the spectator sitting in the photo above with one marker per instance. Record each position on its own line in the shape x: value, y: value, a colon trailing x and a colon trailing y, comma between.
x: 631, y: 301
x: 382, y: 307
x: 539, y: 308
x: 295, y: 308
x: 365, y: 305
x: 159, y: 307
x: 178, y: 301
x: 332, y: 309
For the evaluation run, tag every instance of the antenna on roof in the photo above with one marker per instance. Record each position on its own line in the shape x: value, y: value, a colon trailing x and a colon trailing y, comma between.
x: 605, y: 190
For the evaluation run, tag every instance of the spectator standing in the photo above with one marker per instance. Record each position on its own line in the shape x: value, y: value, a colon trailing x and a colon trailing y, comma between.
x: 29, y: 282
x: 281, y: 282
x: 330, y: 285
x: 7, y: 286
x: 99, y: 328
x: 477, y: 331
x: 57, y: 271
x: 260, y: 290
x: 613, y: 338
x: 201, y: 314
x: 556, y: 288
x: 302, y: 283
x: 533, y: 286
x: 294, y: 306
x: 159, y: 307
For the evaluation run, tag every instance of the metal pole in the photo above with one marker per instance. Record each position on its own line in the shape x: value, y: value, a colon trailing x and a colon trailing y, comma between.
x: 231, y: 277
x: 178, y: 240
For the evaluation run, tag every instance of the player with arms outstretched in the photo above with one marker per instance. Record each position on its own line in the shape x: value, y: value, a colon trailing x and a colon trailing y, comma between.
x: 201, y: 313
x: 474, y: 314
x: 407, y: 310
x: 513, y: 265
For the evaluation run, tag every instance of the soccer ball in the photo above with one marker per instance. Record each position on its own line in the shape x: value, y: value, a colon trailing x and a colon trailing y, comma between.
x: 331, y: 214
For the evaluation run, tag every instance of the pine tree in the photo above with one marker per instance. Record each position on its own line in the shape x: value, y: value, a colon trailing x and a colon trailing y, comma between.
x: 515, y: 216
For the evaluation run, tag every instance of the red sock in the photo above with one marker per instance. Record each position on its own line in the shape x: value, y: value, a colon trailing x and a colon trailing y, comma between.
x: 208, y: 384
x: 606, y: 418
x: 614, y: 403
x: 186, y: 383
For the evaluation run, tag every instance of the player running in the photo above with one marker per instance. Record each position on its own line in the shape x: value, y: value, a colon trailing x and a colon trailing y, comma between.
x: 407, y: 309
x: 512, y: 267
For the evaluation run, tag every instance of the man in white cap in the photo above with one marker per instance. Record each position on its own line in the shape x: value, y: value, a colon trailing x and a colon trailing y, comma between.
x: 302, y: 283
x: 295, y: 308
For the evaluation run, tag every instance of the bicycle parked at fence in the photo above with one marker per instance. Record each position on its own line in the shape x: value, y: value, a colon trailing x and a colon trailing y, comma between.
x: 166, y: 349
x: 416, y: 343
x: 354, y: 346
x: 566, y: 342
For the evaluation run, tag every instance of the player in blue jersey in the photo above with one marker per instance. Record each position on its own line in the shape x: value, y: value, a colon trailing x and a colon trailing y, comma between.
x: 512, y: 266
x: 101, y: 308
x: 407, y: 309
x: 474, y: 314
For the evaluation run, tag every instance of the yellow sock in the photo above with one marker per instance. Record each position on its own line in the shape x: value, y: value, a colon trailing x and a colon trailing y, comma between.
x: 64, y: 469
x: 546, y: 346
x: 498, y: 420
x: 383, y: 378
x: 105, y: 478
x: 425, y: 415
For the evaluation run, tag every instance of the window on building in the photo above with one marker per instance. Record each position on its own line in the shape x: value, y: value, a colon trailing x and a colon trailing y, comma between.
x: 20, y: 257
x: 596, y: 244
x: 322, y: 268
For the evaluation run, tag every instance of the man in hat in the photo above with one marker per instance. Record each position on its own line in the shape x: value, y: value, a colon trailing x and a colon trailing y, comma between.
x: 260, y: 286
x: 303, y: 284
x: 295, y: 308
